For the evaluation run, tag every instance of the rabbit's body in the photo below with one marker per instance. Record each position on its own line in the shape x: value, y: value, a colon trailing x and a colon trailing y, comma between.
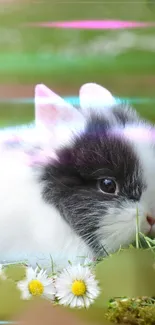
x: 53, y: 198
x: 30, y: 229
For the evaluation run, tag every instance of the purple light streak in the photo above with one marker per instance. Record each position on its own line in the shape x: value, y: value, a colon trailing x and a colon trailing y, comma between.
x: 94, y: 24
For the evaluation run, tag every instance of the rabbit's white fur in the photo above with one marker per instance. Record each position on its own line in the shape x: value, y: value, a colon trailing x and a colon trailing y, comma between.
x: 31, y: 229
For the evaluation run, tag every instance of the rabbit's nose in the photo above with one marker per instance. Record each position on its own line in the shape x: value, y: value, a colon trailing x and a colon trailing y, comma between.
x: 150, y: 220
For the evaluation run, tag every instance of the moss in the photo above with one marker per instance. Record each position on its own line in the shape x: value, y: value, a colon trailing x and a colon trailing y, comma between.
x: 139, y: 311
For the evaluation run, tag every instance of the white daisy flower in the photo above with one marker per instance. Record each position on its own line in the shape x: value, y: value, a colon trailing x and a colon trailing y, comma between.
x: 36, y: 284
x: 76, y: 286
x: 2, y: 275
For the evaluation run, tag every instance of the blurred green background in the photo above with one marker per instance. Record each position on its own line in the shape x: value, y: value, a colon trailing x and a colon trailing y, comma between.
x: 121, y: 60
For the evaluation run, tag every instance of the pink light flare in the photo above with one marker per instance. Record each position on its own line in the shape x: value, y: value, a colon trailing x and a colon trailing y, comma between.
x: 94, y: 24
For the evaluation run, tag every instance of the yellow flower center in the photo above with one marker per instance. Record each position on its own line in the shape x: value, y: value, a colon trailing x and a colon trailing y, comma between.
x: 78, y: 288
x: 35, y: 288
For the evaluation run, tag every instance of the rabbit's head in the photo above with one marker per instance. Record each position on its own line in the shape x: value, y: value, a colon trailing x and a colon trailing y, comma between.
x: 104, y: 172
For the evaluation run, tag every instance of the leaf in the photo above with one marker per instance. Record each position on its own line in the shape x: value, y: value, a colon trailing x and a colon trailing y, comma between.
x: 129, y: 273
x: 10, y: 302
x: 15, y: 272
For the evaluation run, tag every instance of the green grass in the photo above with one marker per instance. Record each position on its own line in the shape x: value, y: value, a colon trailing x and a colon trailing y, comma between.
x: 31, y: 55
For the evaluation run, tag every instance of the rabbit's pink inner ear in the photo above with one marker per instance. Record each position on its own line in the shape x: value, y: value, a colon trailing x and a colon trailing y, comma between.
x: 49, y: 107
x: 94, y: 96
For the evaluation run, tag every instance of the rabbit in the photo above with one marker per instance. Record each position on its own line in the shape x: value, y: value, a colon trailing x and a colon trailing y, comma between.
x: 71, y: 182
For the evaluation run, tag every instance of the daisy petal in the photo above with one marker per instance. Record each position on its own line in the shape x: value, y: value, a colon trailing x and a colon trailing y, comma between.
x: 49, y: 291
x: 30, y: 273
x: 22, y: 286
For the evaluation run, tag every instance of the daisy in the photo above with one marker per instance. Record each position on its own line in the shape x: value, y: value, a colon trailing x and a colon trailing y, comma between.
x: 76, y: 287
x: 36, y: 284
x: 2, y: 275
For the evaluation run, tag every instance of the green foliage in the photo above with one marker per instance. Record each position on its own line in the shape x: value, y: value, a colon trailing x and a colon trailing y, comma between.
x: 60, y: 57
x: 129, y: 273
x: 139, y: 311
x: 15, y: 272
x: 10, y: 302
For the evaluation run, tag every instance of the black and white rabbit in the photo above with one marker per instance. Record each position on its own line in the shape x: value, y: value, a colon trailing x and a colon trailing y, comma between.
x: 71, y: 183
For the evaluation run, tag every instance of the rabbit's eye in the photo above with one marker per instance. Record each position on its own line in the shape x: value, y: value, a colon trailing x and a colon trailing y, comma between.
x: 107, y: 185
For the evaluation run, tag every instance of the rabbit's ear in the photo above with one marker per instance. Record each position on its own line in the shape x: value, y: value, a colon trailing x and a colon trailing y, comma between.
x: 51, y: 108
x: 94, y: 97
x: 56, y: 117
